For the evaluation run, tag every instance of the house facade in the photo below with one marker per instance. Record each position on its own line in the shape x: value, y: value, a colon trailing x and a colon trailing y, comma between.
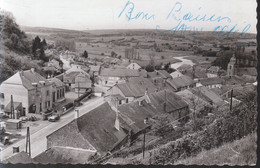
x: 30, y: 89
x: 134, y: 66
x: 58, y: 90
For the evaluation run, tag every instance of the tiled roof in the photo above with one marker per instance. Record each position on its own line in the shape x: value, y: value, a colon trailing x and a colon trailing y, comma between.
x: 117, y: 72
x: 136, y: 114
x: 26, y: 78
x: 155, y: 106
x: 136, y: 87
x: 64, y: 155
x: 193, y: 100
x: 213, y: 69
x: 56, y: 81
x: 97, y: 126
x: 164, y: 73
x: 173, y: 101
x: 73, y: 75
x: 207, y: 95
x: 8, y: 106
x: 181, y: 81
x: 117, y: 96
x: 211, y: 81
x: 20, y: 157
x: 94, y: 68
x: 184, y: 67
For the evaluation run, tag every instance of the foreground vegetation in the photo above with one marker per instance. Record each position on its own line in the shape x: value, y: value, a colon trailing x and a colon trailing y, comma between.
x: 225, y: 127
x: 239, y: 152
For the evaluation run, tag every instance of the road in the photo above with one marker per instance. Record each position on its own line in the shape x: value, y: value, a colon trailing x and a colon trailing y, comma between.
x: 183, y: 61
x: 38, y: 139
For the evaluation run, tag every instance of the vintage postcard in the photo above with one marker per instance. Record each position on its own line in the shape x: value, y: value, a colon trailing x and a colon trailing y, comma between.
x: 128, y: 82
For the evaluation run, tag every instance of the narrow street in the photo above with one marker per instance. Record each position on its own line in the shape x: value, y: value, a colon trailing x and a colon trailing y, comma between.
x: 38, y: 139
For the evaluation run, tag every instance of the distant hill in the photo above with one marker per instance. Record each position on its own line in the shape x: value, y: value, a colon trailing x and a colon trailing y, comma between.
x: 121, y: 32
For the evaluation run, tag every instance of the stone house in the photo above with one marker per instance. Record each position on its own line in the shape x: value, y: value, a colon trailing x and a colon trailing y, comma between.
x: 29, y: 88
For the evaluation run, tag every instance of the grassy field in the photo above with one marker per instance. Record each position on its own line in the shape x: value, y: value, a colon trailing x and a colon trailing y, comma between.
x: 240, y: 152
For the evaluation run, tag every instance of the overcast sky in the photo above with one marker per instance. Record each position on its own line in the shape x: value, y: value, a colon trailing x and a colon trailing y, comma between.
x: 103, y: 14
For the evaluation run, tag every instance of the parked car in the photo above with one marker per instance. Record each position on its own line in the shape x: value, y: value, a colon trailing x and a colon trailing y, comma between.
x: 54, y: 118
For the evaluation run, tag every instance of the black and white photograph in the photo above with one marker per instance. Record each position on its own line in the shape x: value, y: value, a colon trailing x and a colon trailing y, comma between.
x: 128, y: 82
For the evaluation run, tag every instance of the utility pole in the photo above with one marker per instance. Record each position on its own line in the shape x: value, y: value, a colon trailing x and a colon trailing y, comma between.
x: 164, y: 105
x: 28, y: 143
x: 78, y: 89
x: 231, y: 96
x: 145, y: 122
x: 144, y: 143
x: 12, y: 107
x: 150, y: 160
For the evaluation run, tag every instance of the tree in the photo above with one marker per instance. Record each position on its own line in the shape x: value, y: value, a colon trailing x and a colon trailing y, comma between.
x: 36, y: 44
x: 43, y: 43
x: 85, y: 54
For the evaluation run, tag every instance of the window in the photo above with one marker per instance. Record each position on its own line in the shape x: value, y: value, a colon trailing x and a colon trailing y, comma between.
x: 47, y: 93
x: 49, y: 103
x: 40, y: 107
x: 126, y: 100
x: 120, y: 101
x: 58, y: 94
x: 45, y: 104
x: 2, y: 95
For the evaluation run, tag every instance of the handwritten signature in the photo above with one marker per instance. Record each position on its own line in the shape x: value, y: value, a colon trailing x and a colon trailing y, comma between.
x: 184, y: 20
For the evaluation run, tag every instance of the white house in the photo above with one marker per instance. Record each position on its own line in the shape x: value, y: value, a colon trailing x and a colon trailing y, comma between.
x: 30, y: 89
x: 134, y: 66
x: 176, y: 74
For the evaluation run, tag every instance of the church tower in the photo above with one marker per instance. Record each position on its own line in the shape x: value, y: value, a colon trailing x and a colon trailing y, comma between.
x: 231, y: 69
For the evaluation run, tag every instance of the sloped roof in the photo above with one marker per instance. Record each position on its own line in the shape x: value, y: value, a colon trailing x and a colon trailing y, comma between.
x: 207, y: 95
x: 181, y: 81
x: 8, y: 106
x: 176, y: 74
x: 20, y: 157
x: 165, y: 74
x: 136, y: 113
x: 136, y: 87
x: 97, y: 126
x: 134, y: 64
x: 117, y: 72
x: 184, y: 67
x: 117, y: 96
x: 94, y: 68
x: 56, y: 81
x: 211, y: 81
x: 173, y: 101
x: 213, y: 69
x: 64, y: 155
x: 72, y: 76
x: 193, y: 100
x: 69, y: 136
x: 26, y: 78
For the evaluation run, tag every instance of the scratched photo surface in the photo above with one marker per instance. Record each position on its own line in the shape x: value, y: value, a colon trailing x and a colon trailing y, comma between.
x: 128, y: 82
